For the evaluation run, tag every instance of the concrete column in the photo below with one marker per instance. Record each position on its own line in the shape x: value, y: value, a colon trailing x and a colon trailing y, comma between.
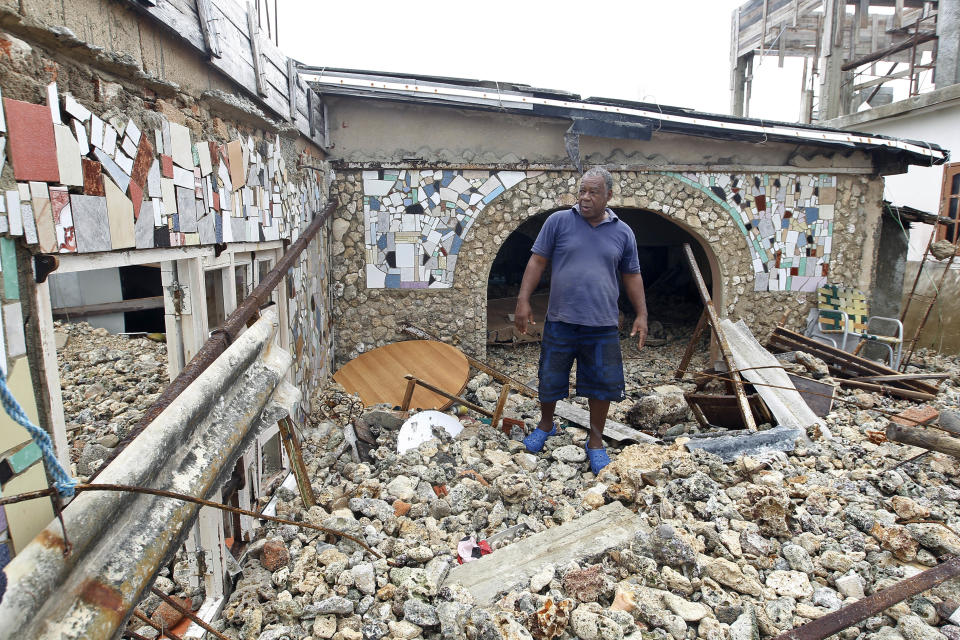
x: 948, y: 45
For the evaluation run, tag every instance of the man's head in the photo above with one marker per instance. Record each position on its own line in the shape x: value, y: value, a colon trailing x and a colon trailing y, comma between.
x: 596, y: 189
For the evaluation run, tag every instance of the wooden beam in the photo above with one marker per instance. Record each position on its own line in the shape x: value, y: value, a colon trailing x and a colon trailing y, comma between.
x: 922, y: 37
x: 924, y: 438
x: 742, y: 402
x: 123, y: 306
x: 254, y: 33
x: 292, y: 87
x: 208, y: 26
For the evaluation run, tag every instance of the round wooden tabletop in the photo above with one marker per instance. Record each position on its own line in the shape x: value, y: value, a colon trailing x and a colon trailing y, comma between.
x: 378, y: 375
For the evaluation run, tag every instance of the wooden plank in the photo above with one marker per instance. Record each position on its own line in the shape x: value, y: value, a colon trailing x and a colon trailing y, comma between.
x: 254, y: 34
x: 887, y: 390
x: 290, y: 442
x: 924, y: 438
x: 723, y: 411
x: 209, y: 28
x: 692, y: 345
x: 123, y: 306
x: 853, y: 365
x: 292, y: 88
x: 612, y: 430
x: 818, y: 395
x: 588, y: 536
x: 721, y: 340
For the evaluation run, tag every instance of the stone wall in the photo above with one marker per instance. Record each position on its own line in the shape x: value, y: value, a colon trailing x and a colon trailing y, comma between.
x: 754, y: 248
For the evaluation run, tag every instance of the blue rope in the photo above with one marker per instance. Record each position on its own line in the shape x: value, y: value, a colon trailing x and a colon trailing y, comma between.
x: 61, y: 479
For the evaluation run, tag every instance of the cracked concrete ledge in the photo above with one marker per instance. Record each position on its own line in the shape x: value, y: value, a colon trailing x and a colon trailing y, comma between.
x: 60, y: 41
x: 238, y: 108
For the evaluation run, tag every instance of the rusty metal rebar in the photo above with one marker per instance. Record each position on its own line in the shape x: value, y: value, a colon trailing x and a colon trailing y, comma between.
x: 139, y: 615
x: 862, y: 609
x: 222, y: 337
x: 186, y: 612
x: 80, y: 488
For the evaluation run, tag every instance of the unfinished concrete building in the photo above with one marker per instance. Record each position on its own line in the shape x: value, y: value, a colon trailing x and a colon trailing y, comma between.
x: 888, y: 68
x: 179, y: 140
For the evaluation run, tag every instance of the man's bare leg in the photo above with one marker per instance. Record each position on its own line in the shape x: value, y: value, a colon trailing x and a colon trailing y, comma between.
x: 546, y: 416
x: 598, y: 418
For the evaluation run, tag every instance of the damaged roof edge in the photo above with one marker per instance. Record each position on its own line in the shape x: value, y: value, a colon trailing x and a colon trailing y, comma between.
x: 507, y: 98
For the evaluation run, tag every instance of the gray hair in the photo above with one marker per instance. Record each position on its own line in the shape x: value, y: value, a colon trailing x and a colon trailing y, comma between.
x: 599, y: 172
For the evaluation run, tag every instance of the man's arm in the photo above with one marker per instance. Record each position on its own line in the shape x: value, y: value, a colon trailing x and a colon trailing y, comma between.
x: 633, y: 283
x: 531, y: 278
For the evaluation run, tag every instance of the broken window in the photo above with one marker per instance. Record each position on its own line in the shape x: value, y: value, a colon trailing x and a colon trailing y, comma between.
x: 950, y: 202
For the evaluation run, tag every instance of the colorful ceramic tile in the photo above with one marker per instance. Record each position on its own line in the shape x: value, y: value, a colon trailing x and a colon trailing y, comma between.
x: 8, y: 258
x: 153, y: 179
x: 113, y: 170
x: 29, y: 223
x: 181, y: 148
x: 96, y: 132
x: 129, y: 146
x: 203, y: 157
x: 33, y: 149
x: 3, y: 119
x: 14, y: 216
x: 125, y: 162
x: 142, y: 163
x: 109, y: 139
x: 76, y: 109
x: 3, y: 153
x: 235, y: 156
x: 120, y: 216
x: 144, y: 227
x: 13, y: 330
x: 68, y: 156
x: 187, y: 208
x: 168, y: 194
x: 92, y: 177
x: 53, y: 103
x: 80, y: 133
x: 91, y: 223
x: 136, y: 197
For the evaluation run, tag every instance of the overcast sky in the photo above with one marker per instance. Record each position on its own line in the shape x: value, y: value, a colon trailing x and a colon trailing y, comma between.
x: 664, y: 52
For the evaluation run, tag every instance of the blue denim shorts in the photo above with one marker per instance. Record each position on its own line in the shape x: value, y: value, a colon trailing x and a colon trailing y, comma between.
x: 596, y: 351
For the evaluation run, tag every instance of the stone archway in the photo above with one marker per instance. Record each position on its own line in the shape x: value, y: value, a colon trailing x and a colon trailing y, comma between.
x: 720, y: 239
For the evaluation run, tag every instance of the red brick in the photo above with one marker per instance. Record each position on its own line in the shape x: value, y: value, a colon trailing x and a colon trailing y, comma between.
x: 924, y: 414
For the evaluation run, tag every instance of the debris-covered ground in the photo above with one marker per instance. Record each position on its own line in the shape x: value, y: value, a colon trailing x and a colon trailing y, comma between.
x: 107, y: 382
x: 722, y: 551
x: 757, y: 546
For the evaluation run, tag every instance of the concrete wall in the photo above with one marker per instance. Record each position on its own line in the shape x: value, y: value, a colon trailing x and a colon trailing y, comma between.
x: 365, y: 131
x: 933, y: 117
x: 89, y: 287
x: 940, y: 331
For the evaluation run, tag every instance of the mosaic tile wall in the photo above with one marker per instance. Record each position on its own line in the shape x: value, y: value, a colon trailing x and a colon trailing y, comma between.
x: 787, y: 220
x: 88, y: 185
x: 415, y: 222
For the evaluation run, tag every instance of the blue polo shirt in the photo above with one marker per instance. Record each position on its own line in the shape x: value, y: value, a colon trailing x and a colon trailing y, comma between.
x: 584, y: 262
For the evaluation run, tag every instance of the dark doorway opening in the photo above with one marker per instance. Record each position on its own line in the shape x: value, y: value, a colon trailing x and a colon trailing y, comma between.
x: 673, y: 304
x: 136, y: 283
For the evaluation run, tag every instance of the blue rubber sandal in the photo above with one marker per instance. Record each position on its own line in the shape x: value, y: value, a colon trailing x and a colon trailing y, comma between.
x: 537, y: 438
x: 598, y: 458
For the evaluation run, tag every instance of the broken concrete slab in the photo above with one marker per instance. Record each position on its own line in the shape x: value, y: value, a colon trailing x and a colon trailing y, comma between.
x: 613, y: 430
x: 729, y: 448
x: 586, y: 537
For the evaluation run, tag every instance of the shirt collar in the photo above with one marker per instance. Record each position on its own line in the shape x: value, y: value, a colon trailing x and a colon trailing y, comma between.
x: 611, y: 216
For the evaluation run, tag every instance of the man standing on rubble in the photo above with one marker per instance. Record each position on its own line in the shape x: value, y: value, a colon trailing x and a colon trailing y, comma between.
x: 586, y: 247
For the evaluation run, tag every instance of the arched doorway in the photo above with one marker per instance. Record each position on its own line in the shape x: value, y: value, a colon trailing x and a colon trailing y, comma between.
x: 673, y: 303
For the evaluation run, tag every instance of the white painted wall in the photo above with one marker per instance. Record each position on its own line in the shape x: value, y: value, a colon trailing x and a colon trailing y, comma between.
x: 89, y: 287
x: 920, y: 186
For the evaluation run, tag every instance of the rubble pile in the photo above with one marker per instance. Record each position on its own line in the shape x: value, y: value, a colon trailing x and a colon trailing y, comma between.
x: 107, y: 382
x: 722, y: 551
